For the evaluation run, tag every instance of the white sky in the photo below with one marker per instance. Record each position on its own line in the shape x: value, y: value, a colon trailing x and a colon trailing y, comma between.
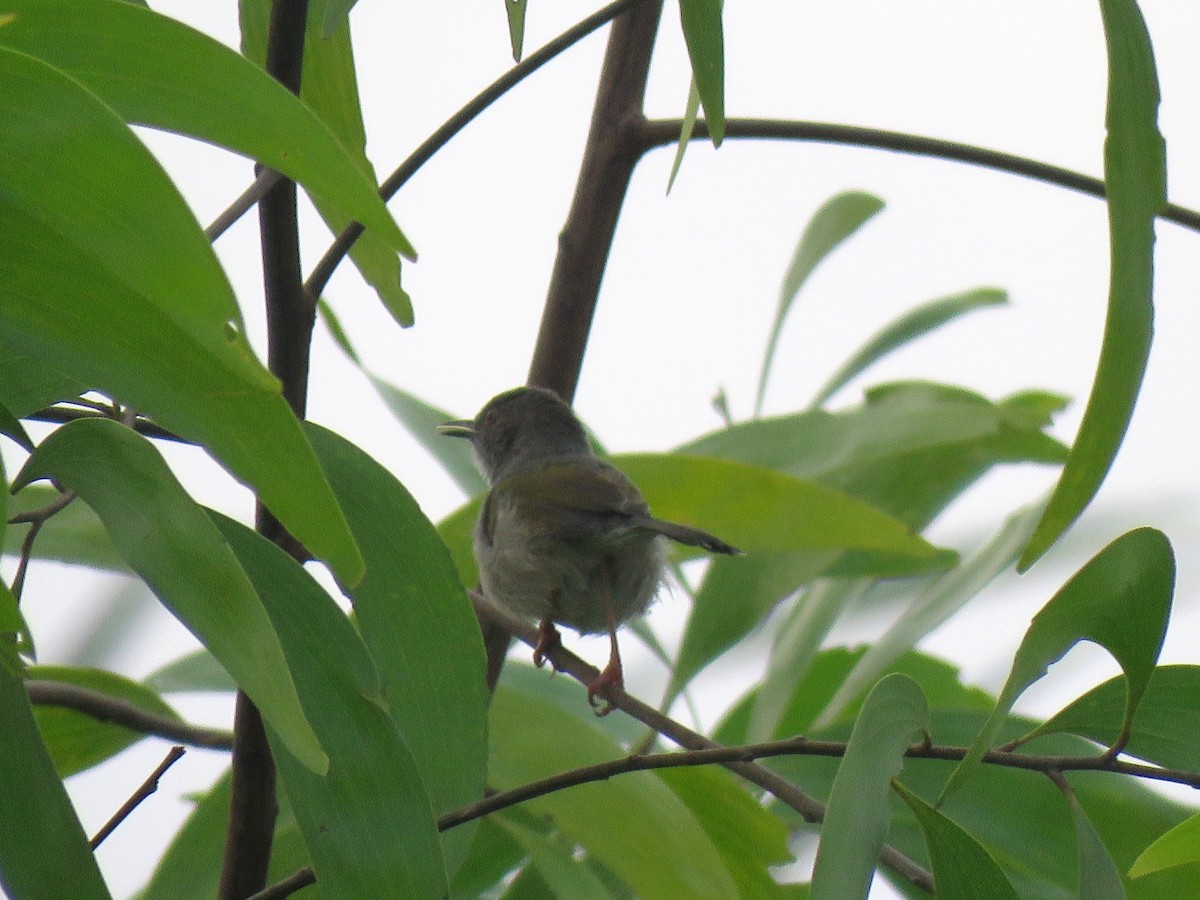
x: 693, y: 278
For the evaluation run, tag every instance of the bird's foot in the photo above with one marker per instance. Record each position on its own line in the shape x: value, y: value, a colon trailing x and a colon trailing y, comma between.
x: 548, y: 641
x: 612, y: 676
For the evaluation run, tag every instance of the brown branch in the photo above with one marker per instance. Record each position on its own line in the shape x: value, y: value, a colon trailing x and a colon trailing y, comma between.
x: 809, y: 808
x: 149, y: 786
x: 796, y: 746
x: 614, y: 146
x: 265, y: 180
x: 106, y: 708
x: 299, y: 879
x: 143, y: 426
x: 664, y: 132
x: 37, y: 519
x: 291, y: 315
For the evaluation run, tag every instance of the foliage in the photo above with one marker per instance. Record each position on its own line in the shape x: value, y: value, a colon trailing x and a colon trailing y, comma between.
x: 119, y: 328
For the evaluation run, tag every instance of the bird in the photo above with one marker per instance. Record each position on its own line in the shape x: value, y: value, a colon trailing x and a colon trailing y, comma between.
x: 564, y: 537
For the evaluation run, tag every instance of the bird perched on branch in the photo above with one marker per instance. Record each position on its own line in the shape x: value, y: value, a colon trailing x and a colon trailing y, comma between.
x: 563, y: 536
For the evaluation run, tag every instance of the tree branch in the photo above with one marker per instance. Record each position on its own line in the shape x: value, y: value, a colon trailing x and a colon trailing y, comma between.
x: 106, y: 708
x: 614, y: 146
x: 148, y: 787
x: 809, y: 808
x: 337, y: 251
x: 291, y: 315
x: 61, y: 414
x: 663, y: 132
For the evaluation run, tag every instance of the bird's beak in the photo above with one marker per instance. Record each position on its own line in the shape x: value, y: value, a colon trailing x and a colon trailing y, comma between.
x: 463, y: 428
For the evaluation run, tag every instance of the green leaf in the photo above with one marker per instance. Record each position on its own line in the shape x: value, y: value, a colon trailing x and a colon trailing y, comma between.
x: 44, y: 852
x: 686, y: 130
x: 410, y: 607
x: 939, y: 680
x: 1176, y: 847
x: 169, y: 541
x: 367, y: 823
x: 74, y: 534
x: 839, y: 217
x: 1168, y: 717
x: 77, y: 741
x: 756, y: 508
x: 198, y: 672
x: 619, y: 822
x: 515, y: 10
x: 962, y: 868
x: 1098, y: 875
x: 749, y: 838
x: 421, y: 419
x: 735, y: 596
x: 1135, y: 181
x: 154, y: 70
x: 329, y: 88
x: 1120, y: 600
x: 796, y: 644
x: 910, y: 449
x: 704, y: 36
x: 552, y: 856
x: 190, y: 869
x: 857, y: 818
x: 11, y: 426
x: 118, y: 288
x: 15, y: 638
x: 910, y: 326
x: 942, y: 598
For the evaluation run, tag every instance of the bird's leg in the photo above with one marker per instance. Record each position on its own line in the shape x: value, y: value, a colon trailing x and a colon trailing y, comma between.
x: 548, y: 640
x: 612, y: 674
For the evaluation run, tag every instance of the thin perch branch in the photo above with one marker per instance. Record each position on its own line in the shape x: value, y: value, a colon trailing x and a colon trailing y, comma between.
x: 149, y: 786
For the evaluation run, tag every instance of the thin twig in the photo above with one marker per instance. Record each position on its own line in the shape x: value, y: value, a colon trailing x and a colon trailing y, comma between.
x: 299, y: 879
x: 106, y: 708
x: 611, y: 152
x: 37, y: 519
x: 149, y: 786
x: 42, y: 513
x: 337, y: 251
x: 266, y: 179
x: 143, y: 426
x: 663, y: 132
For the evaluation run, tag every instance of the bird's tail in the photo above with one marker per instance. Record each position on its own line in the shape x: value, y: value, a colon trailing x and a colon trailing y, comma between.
x: 693, y: 536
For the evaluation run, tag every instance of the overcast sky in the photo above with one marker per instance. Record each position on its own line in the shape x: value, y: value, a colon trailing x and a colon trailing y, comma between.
x: 693, y: 279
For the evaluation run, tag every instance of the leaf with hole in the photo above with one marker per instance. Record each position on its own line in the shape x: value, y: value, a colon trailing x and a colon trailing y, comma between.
x: 1121, y: 600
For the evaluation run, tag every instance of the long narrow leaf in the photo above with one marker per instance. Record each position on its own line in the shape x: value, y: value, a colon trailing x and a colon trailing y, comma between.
x: 962, y: 868
x: 410, y: 607
x: 1178, y: 846
x: 910, y: 326
x: 936, y: 603
x: 634, y: 825
x: 367, y: 823
x: 170, y: 542
x: 704, y: 35
x: 836, y: 220
x: 857, y: 819
x: 44, y: 853
x: 156, y: 71
x: 329, y: 87
x: 1135, y: 179
x: 117, y: 287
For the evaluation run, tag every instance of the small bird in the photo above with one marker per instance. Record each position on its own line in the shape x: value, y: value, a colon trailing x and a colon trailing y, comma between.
x: 563, y: 536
